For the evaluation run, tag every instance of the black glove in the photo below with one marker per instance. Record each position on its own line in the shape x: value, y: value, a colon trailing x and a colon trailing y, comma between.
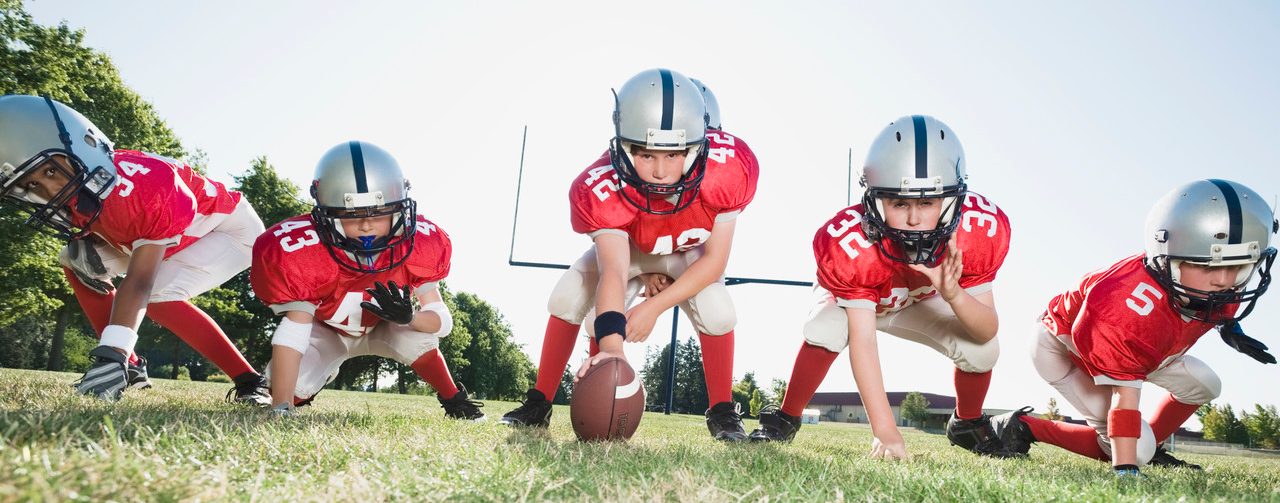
x: 1234, y: 336
x: 1129, y: 472
x: 81, y: 257
x: 395, y: 304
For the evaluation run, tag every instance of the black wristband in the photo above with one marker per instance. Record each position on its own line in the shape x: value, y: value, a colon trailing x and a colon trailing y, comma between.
x: 610, y: 323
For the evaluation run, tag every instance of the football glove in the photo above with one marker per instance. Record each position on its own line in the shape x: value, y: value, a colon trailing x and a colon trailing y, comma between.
x: 107, y: 377
x: 1234, y: 336
x: 82, y: 258
x: 1128, y: 472
x: 394, y: 303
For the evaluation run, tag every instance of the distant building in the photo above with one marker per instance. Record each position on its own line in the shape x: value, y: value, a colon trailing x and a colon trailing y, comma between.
x: 846, y: 407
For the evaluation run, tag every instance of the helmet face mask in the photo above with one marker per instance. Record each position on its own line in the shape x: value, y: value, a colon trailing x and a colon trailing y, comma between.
x: 659, y: 109
x: 40, y: 133
x: 1211, y: 223
x: 353, y: 181
x: 915, y: 157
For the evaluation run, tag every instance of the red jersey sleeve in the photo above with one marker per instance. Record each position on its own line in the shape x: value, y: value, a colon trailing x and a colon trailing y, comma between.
x: 152, y: 205
x: 847, y: 265
x: 432, y: 251
x: 291, y: 267
x: 984, y: 236
x: 732, y: 173
x: 594, y: 202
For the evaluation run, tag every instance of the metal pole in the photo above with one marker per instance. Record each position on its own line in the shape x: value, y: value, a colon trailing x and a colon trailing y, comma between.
x: 671, y: 359
x: 848, y: 181
x: 515, y: 215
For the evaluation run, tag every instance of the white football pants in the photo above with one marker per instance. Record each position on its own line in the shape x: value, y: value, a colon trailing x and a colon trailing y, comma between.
x: 573, y: 298
x: 327, y: 350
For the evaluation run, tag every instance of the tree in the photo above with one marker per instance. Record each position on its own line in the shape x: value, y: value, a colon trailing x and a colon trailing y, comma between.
x: 915, y: 407
x: 690, y: 394
x: 1221, y: 424
x: 1263, y: 426
x: 1052, y: 413
x: 777, y: 391
x: 564, y: 393
x: 756, y: 403
x: 744, y: 390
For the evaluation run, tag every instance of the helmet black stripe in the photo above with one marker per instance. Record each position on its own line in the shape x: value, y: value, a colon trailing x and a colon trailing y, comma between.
x: 1233, y: 210
x: 63, y: 135
x: 922, y: 147
x: 357, y: 160
x: 668, y: 99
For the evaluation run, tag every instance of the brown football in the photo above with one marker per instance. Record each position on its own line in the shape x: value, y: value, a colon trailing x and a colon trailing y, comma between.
x: 607, y: 402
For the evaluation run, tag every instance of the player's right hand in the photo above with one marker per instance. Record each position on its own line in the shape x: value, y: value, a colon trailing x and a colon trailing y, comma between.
x: 1128, y: 472
x: 889, y: 450
x: 601, y: 356
x: 654, y: 283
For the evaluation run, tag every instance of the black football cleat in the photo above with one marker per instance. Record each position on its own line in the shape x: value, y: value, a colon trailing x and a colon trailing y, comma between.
x: 775, y: 426
x: 1163, y: 458
x: 137, y: 374
x: 978, y: 436
x: 724, y: 420
x: 1013, y: 432
x: 250, y: 389
x: 534, y: 412
x: 462, y: 407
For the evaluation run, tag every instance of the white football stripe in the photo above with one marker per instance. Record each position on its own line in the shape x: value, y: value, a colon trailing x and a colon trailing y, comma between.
x: 628, y: 389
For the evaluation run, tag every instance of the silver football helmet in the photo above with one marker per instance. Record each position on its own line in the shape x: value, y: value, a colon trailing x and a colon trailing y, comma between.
x: 355, y: 180
x: 1212, y: 223
x: 35, y: 129
x: 663, y: 110
x: 713, y: 105
x: 914, y: 157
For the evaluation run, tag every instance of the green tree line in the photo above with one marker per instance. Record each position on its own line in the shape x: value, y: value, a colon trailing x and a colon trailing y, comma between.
x: 43, y: 326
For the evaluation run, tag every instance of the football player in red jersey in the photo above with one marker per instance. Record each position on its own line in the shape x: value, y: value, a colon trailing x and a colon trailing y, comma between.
x: 174, y: 232
x: 358, y: 276
x: 660, y: 206
x: 1207, y: 260
x: 915, y: 259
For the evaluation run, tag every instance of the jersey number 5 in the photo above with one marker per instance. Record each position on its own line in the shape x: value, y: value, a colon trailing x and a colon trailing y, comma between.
x: 1140, y: 303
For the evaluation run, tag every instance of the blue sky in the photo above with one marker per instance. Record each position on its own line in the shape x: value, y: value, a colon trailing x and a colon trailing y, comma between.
x: 1075, y: 118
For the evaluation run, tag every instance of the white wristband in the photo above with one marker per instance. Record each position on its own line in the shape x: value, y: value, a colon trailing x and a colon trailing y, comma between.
x: 446, y: 319
x: 119, y: 337
x: 292, y: 335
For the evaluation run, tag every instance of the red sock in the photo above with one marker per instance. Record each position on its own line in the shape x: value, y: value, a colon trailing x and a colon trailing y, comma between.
x: 811, y: 368
x: 200, y: 332
x: 133, y: 359
x: 971, y: 391
x: 96, y: 306
x: 557, y: 346
x: 717, y: 366
x: 431, y: 368
x: 1078, y: 438
x: 1169, y: 416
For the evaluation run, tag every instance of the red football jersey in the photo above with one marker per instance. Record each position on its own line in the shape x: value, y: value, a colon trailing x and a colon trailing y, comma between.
x: 858, y: 275
x: 158, y: 200
x: 1121, y: 323
x: 290, y: 265
x: 727, y: 187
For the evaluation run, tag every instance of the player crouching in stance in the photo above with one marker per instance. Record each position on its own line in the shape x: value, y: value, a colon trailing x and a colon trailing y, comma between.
x: 1206, y: 243
x: 916, y: 259
x: 358, y: 276
x: 174, y: 232
x: 660, y: 206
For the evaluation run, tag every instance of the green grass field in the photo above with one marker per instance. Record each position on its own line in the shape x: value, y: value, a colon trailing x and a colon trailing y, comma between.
x: 180, y: 441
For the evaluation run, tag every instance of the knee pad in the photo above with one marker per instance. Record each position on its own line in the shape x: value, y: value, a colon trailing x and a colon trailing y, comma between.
x: 571, y: 298
x: 717, y: 322
x: 1203, y: 386
x: 978, y: 358
x: 828, y: 329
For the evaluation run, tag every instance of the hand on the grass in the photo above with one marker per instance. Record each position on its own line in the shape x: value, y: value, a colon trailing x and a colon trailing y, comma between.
x: 945, y: 277
x: 890, y: 449
x: 586, y: 364
x: 1128, y: 472
x: 640, y: 320
x: 654, y: 283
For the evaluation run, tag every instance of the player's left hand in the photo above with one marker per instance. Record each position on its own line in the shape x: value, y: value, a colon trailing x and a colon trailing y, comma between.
x: 640, y: 320
x: 1234, y: 336
x: 945, y: 277
x: 654, y: 283
x: 395, y: 303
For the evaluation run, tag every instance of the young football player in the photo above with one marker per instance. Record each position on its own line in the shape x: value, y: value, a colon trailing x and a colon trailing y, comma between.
x: 915, y: 259
x: 174, y: 232
x: 1134, y: 321
x: 357, y: 276
x: 660, y: 206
